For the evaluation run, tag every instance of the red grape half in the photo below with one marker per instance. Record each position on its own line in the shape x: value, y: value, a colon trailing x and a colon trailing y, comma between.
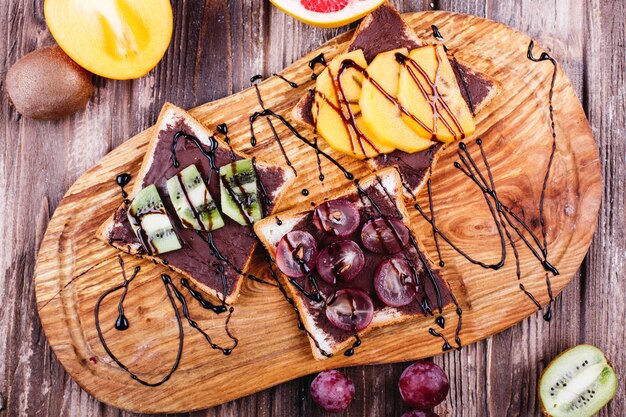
x: 384, y: 235
x: 350, y: 310
x: 337, y: 217
x: 296, y: 253
x: 395, y: 282
x: 340, y: 260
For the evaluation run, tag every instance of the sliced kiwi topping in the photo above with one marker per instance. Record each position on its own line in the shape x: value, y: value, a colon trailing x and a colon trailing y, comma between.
x: 577, y: 383
x: 149, y: 220
x: 239, y: 192
x: 194, y: 204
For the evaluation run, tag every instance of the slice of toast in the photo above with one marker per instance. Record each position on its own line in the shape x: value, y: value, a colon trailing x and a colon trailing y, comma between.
x: 385, y: 190
x: 215, y: 262
x: 384, y: 30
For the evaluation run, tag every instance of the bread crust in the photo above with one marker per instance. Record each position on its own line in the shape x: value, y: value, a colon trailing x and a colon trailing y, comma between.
x: 171, y: 112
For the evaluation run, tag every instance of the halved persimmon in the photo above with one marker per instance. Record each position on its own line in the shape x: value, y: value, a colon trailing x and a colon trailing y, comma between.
x: 119, y: 39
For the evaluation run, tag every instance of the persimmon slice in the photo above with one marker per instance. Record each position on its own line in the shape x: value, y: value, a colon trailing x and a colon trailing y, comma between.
x: 119, y: 39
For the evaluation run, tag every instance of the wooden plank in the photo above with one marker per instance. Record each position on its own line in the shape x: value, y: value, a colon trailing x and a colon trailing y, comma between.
x: 603, y: 290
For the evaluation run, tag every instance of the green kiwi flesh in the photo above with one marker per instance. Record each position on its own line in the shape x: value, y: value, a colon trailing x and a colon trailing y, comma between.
x: 149, y: 220
x: 194, y: 205
x: 239, y: 192
x: 577, y: 383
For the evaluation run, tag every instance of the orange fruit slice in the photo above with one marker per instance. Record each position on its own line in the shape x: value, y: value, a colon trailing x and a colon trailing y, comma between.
x: 327, y: 13
x: 119, y: 39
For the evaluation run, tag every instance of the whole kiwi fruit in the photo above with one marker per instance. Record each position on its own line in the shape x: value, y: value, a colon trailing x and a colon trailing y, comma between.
x: 47, y: 84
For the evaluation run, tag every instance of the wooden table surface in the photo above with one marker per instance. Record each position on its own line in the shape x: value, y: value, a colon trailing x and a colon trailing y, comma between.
x: 216, y: 47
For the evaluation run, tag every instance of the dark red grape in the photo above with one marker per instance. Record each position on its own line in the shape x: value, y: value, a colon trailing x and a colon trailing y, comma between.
x: 384, y: 235
x: 340, y: 260
x: 350, y: 310
x: 333, y: 391
x: 423, y: 385
x: 420, y: 413
x: 395, y: 282
x: 337, y: 217
x: 296, y: 253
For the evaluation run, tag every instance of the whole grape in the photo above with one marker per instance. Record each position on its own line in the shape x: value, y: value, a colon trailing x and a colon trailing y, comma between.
x: 333, y: 391
x: 423, y: 385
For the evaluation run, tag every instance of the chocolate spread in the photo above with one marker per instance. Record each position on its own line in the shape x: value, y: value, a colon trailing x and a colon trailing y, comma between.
x: 235, y: 242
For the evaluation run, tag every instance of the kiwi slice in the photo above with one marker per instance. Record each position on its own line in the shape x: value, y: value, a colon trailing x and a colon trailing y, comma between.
x: 149, y: 220
x: 194, y: 204
x: 577, y: 383
x: 239, y: 192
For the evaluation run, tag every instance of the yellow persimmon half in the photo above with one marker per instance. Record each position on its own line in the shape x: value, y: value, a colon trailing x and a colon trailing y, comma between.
x: 119, y: 39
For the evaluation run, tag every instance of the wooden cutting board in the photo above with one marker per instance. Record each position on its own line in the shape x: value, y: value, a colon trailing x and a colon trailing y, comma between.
x: 74, y: 269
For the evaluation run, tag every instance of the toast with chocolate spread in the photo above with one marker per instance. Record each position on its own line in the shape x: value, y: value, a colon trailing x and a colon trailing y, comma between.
x: 214, y: 250
x: 352, y: 264
x: 384, y: 30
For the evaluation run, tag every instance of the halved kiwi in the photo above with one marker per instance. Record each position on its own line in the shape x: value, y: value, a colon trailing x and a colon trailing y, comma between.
x: 577, y: 383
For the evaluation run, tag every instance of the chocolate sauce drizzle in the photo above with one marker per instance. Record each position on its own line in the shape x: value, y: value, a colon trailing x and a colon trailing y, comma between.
x: 122, y: 181
x: 210, y: 155
x: 181, y: 333
x: 206, y: 304
x: 437, y: 35
x: 455, y: 63
x: 502, y: 216
x: 427, y: 88
x: 294, y: 131
x: 223, y: 130
x: 319, y: 59
x: 173, y: 294
x: 291, y: 83
x: 425, y: 302
x: 254, y: 80
x: 319, y: 161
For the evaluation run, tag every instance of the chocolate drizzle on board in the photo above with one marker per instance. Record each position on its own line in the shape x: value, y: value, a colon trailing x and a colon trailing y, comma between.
x: 291, y: 83
x: 319, y: 59
x: 254, y: 81
x: 503, y: 218
x: 269, y: 114
x: 122, y: 181
x: 173, y: 294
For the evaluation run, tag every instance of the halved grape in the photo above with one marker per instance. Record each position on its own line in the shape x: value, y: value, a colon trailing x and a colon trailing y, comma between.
x: 333, y: 391
x: 420, y: 413
x: 350, y: 310
x: 384, y: 235
x: 423, y: 385
x: 296, y: 253
x: 337, y: 217
x: 340, y: 260
x: 395, y: 282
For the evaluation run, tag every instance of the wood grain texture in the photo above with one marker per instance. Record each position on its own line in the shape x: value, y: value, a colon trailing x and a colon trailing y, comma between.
x: 588, y: 39
x: 74, y: 268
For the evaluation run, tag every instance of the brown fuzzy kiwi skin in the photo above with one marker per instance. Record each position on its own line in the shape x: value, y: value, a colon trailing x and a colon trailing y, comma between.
x: 46, y: 84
